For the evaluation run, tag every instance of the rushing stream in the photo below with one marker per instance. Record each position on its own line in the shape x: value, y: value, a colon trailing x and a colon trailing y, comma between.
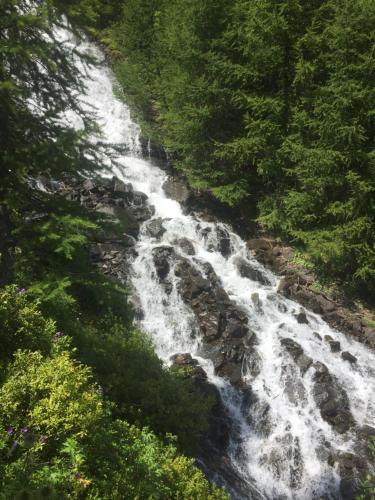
x: 289, y: 460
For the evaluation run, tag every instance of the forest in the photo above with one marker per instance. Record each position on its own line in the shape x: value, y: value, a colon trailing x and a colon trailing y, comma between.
x: 269, y: 106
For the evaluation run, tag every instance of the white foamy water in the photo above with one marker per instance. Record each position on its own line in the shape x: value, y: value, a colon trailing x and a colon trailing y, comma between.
x: 298, y: 439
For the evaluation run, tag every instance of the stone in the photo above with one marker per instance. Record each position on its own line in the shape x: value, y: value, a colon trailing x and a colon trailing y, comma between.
x: 296, y: 352
x: 161, y: 257
x: 256, y: 301
x: 155, y: 228
x: 177, y: 189
x: 335, y: 345
x: 223, y: 238
x: 349, y: 357
x: 301, y: 317
x: 331, y: 399
x: 186, y: 245
x: 120, y: 187
x: 246, y: 270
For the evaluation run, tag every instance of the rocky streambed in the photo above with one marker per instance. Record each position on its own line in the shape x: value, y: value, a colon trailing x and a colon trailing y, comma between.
x: 224, y: 343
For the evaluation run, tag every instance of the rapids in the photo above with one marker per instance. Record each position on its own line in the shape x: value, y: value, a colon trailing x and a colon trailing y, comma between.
x: 298, y: 440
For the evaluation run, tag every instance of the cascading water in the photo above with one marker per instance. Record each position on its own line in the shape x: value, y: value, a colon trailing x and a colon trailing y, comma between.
x: 287, y: 458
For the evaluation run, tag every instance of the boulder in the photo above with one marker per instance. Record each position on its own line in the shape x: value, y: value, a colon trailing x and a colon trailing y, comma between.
x: 177, y: 189
x: 331, y: 399
x: 349, y: 357
x: 296, y: 352
x: 257, y: 413
x: 301, y: 317
x: 155, y: 228
x: 186, y: 245
x: 223, y: 239
x: 161, y: 257
x: 335, y: 346
x: 247, y: 270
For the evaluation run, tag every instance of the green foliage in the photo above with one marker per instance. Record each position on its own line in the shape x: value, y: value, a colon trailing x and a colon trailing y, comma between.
x: 57, y: 434
x: 145, y: 468
x: 22, y: 326
x: 145, y: 392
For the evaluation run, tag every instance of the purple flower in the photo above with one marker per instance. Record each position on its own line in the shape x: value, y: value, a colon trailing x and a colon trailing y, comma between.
x: 77, y: 475
x: 25, y: 430
x: 10, y: 431
x: 20, y: 291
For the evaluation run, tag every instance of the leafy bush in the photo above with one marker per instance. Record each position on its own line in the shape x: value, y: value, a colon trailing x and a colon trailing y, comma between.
x: 22, y: 326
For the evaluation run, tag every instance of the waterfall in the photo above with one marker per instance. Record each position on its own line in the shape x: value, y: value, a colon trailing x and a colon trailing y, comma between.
x: 286, y: 455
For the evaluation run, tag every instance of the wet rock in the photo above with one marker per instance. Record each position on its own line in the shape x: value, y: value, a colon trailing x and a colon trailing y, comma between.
x: 253, y: 362
x: 121, y: 188
x: 223, y: 239
x: 316, y: 335
x: 296, y: 352
x: 256, y: 301
x: 286, y: 460
x: 301, y: 317
x: 369, y: 336
x: 352, y: 470
x: 247, y: 270
x: 293, y: 348
x: 217, y: 239
x: 257, y: 413
x: 136, y: 305
x: 331, y: 399
x: 349, y: 357
x: 155, y: 228
x: 186, y: 245
x: 228, y: 357
x: 295, y: 390
x: 161, y: 257
x: 210, y: 274
x: 143, y: 213
x: 335, y: 345
x: 216, y: 314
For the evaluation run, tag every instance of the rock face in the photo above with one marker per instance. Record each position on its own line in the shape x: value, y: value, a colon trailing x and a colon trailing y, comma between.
x: 113, y: 198
x: 227, y: 338
x: 331, y: 399
x: 296, y: 284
